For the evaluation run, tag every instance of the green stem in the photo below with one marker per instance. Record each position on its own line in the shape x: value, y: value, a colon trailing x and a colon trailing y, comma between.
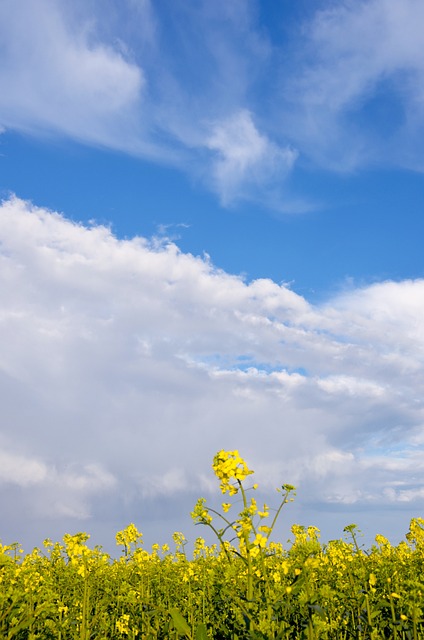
x: 249, y: 557
x: 85, y: 601
x: 278, y: 511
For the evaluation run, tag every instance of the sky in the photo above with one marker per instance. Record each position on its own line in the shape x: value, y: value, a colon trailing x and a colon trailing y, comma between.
x: 211, y: 227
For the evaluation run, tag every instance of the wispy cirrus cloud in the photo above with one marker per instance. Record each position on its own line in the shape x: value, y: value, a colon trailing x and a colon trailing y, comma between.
x: 151, y: 89
x: 126, y: 364
x: 207, y: 90
x: 57, y: 77
x: 356, y: 98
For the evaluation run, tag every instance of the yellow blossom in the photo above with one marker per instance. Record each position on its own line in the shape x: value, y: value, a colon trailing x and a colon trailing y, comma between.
x: 200, y: 513
x: 260, y: 541
x: 122, y: 625
x: 265, y: 512
x: 229, y: 467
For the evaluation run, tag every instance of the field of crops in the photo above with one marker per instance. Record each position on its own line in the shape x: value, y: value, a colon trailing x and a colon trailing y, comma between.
x: 244, y: 586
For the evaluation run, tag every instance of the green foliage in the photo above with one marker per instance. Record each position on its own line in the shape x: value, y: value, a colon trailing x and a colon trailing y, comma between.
x: 245, y: 587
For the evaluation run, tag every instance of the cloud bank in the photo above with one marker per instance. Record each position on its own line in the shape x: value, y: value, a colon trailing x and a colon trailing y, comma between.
x: 126, y: 364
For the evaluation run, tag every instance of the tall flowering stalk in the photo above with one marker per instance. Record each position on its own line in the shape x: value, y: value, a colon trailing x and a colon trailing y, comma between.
x: 250, y: 526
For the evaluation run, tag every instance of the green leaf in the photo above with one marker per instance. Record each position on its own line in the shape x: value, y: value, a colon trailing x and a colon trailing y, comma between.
x: 179, y: 623
x: 23, y: 624
x: 201, y: 633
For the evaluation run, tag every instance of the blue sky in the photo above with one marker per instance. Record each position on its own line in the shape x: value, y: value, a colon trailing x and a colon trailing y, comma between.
x: 367, y: 225
x: 211, y: 220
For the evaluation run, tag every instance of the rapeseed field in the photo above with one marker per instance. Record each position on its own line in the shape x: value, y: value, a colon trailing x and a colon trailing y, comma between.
x: 245, y: 586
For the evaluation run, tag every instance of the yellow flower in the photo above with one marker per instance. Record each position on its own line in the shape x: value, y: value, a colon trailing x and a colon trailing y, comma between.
x: 200, y: 512
x: 82, y: 571
x: 372, y: 580
x: 381, y: 540
x: 285, y: 567
x: 226, y: 506
x: 253, y: 507
x: 128, y: 536
x: 229, y: 467
x: 265, y: 512
x: 264, y: 529
x: 179, y: 538
x: 260, y: 541
x: 122, y: 625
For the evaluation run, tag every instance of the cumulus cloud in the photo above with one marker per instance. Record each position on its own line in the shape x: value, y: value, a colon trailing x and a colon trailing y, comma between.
x: 126, y: 364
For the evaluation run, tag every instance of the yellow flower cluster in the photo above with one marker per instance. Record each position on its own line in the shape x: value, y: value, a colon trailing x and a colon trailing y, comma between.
x: 200, y: 513
x: 230, y: 468
x: 129, y: 535
x: 122, y: 625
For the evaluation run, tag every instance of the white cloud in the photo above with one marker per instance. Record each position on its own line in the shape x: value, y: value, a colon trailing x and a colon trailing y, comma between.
x: 350, y: 386
x: 207, y: 91
x: 132, y: 83
x: 246, y: 159
x: 56, y: 77
x: 172, y: 482
x: 125, y: 365
x: 357, y: 98
x: 51, y: 491
x: 20, y: 470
